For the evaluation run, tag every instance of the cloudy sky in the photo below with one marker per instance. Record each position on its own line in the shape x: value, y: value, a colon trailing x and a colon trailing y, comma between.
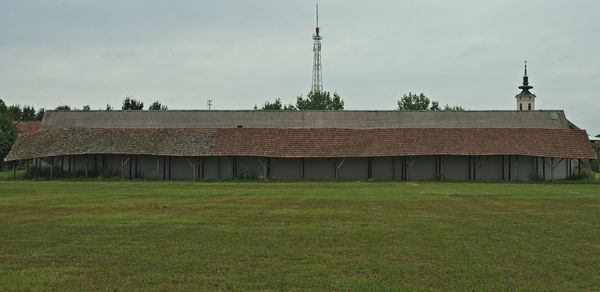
x: 241, y: 53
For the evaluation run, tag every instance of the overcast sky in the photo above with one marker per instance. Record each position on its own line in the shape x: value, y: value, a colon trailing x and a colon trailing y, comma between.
x: 241, y: 53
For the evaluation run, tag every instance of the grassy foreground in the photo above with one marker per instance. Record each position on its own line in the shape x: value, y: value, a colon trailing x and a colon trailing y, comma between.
x: 73, y: 235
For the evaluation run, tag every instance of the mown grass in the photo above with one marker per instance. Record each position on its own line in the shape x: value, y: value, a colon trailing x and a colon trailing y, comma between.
x: 132, y: 235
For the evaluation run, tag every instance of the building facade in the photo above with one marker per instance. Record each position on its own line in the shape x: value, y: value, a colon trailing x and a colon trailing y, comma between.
x: 353, y: 145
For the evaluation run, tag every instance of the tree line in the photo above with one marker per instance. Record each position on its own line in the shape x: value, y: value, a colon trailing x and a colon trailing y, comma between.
x: 28, y: 113
x: 325, y: 101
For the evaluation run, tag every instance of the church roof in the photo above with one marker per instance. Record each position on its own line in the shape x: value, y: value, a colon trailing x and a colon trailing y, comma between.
x: 554, y: 119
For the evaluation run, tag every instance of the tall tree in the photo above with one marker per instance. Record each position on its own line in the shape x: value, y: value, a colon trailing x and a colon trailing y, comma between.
x: 3, y: 107
x: 157, y: 106
x: 420, y: 102
x: 132, y: 104
x: 28, y: 114
x: 15, y: 113
x: 320, y: 101
x: 276, y: 105
x: 8, y: 135
x: 86, y: 108
x: 40, y: 114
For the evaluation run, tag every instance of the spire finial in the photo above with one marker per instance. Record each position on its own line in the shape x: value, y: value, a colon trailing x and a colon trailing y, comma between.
x: 525, y: 68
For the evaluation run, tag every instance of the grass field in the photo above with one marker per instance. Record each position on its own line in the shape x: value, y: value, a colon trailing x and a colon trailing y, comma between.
x: 132, y: 235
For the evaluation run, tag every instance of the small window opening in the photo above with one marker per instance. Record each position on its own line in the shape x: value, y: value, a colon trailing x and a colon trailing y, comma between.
x: 529, y: 106
x: 520, y: 106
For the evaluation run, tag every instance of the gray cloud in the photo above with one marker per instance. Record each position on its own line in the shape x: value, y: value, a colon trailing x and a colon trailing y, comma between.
x: 240, y: 53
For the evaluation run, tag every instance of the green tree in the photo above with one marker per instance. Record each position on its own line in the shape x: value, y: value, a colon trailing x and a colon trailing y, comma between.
x: 3, y: 107
x: 8, y: 135
x: 414, y: 102
x: 276, y: 105
x: 109, y: 107
x: 132, y: 104
x: 598, y: 136
x: 40, y: 114
x: 157, y: 106
x: 87, y: 108
x: 456, y: 108
x: 28, y: 114
x: 63, y: 108
x: 15, y: 113
x: 320, y: 101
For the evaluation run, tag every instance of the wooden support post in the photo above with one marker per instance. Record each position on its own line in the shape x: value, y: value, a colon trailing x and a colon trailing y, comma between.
x: 194, y: 166
x: 14, y: 169
x: 234, y: 167
x: 475, y: 167
x: 405, y: 171
x: 170, y: 175
x: 544, y: 167
x: 268, y: 166
x: 122, y: 167
x: 370, y: 167
x: 552, y: 169
x: 302, y: 168
x: 135, y: 171
x: 164, y: 160
x: 335, y: 162
x: 218, y: 167
x: 130, y: 162
x: 86, y: 165
x: 503, y: 175
x: 158, y: 167
x: 517, y: 168
x: 589, y: 168
x: 52, y: 168
x: 393, y: 168
x: 202, y: 170
x: 509, y: 168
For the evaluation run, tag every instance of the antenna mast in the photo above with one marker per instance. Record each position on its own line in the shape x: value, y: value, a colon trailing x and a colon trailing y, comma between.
x: 317, y: 78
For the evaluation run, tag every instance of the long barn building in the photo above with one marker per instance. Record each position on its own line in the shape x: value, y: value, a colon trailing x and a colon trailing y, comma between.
x: 382, y: 145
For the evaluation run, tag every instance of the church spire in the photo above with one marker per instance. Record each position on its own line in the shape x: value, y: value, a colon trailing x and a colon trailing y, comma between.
x: 525, y: 99
x: 525, y: 86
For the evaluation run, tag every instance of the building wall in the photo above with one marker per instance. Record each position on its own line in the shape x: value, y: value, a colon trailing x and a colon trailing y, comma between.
x: 386, y: 168
x: 353, y: 168
x: 286, y: 168
x: 421, y: 167
x: 514, y: 168
x: 315, y: 168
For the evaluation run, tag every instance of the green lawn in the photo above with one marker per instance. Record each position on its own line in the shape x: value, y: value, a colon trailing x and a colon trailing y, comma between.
x: 114, y: 235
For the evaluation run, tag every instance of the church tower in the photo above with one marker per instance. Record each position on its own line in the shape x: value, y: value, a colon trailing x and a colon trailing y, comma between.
x: 525, y: 99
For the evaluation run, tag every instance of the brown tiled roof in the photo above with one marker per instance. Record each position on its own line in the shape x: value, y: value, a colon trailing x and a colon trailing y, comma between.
x: 26, y: 128
x: 289, y: 143
x: 402, y: 142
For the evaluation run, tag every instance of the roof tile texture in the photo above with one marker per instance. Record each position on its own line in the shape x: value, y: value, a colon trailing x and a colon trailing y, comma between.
x: 26, y: 128
x: 402, y: 142
x: 308, y: 143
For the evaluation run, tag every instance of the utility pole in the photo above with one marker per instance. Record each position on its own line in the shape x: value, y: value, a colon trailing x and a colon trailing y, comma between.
x: 209, y: 103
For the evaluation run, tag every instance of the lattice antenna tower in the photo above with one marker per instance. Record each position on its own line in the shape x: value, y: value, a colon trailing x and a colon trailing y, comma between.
x: 317, y: 76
